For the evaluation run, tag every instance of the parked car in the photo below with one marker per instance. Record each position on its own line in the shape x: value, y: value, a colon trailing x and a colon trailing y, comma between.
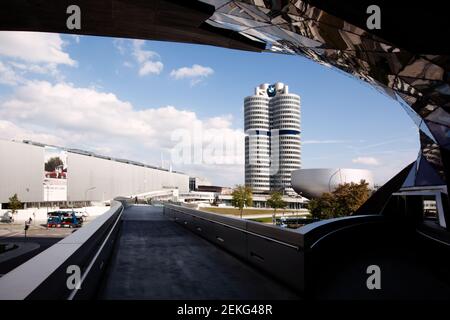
x: 70, y: 222
x: 64, y: 219
x: 54, y: 222
x: 7, y: 217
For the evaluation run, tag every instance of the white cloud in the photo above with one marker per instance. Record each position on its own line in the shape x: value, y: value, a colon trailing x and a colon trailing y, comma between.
x: 196, y: 73
x: 34, y: 47
x: 151, y: 67
x: 23, y: 53
x: 120, y: 45
x: 8, y: 76
x: 370, y: 161
x: 142, y: 55
x: 43, y: 69
x: 86, y: 118
x: 147, y: 60
x: 11, y: 131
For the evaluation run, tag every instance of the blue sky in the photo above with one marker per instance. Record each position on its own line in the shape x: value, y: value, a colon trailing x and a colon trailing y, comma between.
x: 345, y: 123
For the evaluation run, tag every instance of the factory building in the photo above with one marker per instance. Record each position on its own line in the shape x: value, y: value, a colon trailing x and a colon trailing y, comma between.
x: 40, y: 173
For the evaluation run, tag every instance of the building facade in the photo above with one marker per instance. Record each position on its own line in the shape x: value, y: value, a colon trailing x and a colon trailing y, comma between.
x: 87, y: 176
x: 257, y: 140
x: 272, y: 142
x: 195, y: 182
x: 224, y: 200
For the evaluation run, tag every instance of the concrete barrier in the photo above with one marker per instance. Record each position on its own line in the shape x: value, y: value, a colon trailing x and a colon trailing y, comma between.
x: 276, y: 251
x: 285, y: 254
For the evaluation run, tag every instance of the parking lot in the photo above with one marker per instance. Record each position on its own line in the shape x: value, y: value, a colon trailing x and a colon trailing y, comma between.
x: 36, y: 230
x: 38, y: 238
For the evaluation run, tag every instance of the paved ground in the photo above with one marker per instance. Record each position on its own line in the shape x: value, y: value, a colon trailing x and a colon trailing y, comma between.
x: 40, y: 243
x: 19, y: 248
x: 156, y: 258
x: 35, y: 230
x: 38, y: 239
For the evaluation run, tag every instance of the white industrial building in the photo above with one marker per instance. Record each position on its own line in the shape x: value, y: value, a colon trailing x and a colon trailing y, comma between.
x: 225, y: 200
x: 87, y: 176
x: 195, y: 182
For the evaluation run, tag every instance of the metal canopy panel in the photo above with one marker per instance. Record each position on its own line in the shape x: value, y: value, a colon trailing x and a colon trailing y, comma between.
x: 179, y: 21
x: 403, y: 59
x: 427, y: 176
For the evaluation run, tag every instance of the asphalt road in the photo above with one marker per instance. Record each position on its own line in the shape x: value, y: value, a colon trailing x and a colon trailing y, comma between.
x: 156, y: 258
x: 37, y: 235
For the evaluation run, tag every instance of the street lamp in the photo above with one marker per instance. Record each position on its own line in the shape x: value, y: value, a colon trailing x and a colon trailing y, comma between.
x: 47, y: 187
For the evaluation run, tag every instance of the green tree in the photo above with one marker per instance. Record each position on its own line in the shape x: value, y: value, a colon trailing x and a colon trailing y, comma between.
x: 242, y: 196
x: 276, y: 202
x: 52, y: 163
x: 322, y: 207
x: 343, y: 201
x: 14, y: 204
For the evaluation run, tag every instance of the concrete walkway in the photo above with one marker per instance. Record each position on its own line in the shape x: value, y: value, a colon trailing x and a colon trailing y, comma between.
x: 155, y: 258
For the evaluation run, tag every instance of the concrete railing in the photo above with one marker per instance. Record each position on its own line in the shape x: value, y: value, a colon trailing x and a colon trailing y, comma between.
x: 283, y: 253
x: 49, y: 274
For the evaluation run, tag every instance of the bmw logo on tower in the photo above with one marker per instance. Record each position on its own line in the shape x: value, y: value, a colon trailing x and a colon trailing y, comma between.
x: 271, y: 90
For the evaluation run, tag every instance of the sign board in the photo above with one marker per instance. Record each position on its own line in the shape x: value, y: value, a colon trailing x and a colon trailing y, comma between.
x: 55, y: 174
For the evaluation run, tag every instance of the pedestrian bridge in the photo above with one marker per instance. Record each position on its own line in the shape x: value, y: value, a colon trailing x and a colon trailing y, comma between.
x: 164, y: 194
x: 173, y: 252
